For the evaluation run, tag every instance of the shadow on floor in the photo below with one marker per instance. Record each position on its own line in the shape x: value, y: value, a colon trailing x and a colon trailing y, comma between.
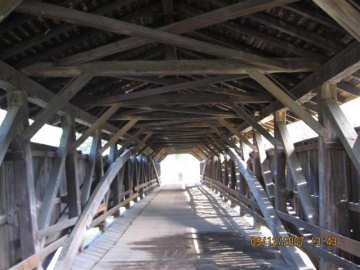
x: 217, y: 241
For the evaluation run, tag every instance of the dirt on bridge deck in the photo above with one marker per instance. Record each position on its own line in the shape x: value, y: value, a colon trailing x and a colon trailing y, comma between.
x: 179, y: 228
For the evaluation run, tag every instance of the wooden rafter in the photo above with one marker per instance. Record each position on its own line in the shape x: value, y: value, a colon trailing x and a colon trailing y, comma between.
x: 341, y: 65
x: 56, y: 103
x: 188, y: 25
x: 343, y: 13
x: 119, y: 27
x: 41, y: 96
x: 287, y: 101
x: 160, y: 68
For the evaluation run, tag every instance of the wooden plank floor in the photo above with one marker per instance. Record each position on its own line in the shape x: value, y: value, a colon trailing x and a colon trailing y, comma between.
x: 179, y: 228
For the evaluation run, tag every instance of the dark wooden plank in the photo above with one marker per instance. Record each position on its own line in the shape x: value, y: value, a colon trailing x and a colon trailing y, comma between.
x: 161, y: 68
x: 279, y: 164
x: 72, y: 174
x: 238, y: 29
x: 312, y: 38
x: 343, y: 13
x: 202, y: 111
x: 56, y: 103
x: 313, y: 15
x: 166, y: 89
x: 72, y: 245
x: 217, y: 16
x: 25, y: 188
x: 348, y: 87
x: 56, y: 32
x: 199, y: 98
x: 123, y: 28
x: 7, y: 6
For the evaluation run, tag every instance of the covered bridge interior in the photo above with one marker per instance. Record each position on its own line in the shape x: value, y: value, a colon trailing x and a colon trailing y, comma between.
x: 149, y: 78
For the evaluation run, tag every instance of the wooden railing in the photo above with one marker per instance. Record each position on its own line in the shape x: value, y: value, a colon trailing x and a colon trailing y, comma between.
x: 344, y: 243
x: 34, y: 261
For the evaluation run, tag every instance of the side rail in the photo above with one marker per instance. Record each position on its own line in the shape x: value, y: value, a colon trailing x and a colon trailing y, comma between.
x: 318, y: 241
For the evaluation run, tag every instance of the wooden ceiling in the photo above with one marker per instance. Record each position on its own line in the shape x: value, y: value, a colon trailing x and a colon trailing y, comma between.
x: 178, y: 66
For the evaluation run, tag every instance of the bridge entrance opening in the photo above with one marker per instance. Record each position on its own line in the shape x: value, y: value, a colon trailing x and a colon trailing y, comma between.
x: 183, y: 169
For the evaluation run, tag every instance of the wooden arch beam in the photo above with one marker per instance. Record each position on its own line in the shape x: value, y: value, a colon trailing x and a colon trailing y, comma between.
x: 74, y: 241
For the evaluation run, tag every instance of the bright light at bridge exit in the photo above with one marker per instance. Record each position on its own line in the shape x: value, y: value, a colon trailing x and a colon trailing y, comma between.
x: 180, y: 169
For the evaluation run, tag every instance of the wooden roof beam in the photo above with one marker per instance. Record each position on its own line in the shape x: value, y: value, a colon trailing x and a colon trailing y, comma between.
x: 285, y: 99
x: 343, y: 13
x: 199, y: 111
x: 160, y: 68
x: 41, y: 96
x: 56, y: 103
x: 239, y: 29
x: 170, y: 88
x: 185, y: 26
x: 297, y: 32
x: 188, y: 100
x: 119, y: 27
x: 340, y: 66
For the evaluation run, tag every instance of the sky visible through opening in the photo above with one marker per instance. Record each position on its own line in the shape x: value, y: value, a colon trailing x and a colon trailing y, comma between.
x: 180, y: 169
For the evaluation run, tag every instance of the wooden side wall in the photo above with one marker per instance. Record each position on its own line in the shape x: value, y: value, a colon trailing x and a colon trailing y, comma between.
x: 43, y: 161
x: 344, y: 178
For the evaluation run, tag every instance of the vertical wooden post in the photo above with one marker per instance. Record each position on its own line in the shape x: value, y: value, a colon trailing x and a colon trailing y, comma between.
x: 308, y: 206
x: 10, y: 125
x: 24, y: 181
x: 72, y: 174
x: 117, y: 185
x: 331, y: 216
x: 90, y: 174
x: 56, y: 176
x: 279, y: 165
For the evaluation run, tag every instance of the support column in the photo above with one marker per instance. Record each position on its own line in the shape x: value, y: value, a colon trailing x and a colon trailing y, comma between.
x: 331, y: 186
x: 24, y: 180
x: 72, y: 173
x: 279, y: 165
